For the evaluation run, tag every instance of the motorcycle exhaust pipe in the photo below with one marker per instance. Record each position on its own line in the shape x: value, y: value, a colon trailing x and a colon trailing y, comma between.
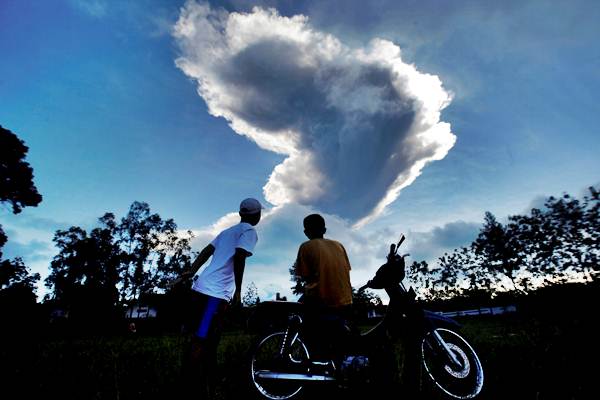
x: 292, y: 377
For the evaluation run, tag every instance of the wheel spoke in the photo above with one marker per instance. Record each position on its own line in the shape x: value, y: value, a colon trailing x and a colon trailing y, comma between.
x: 462, y: 381
x: 266, y: 358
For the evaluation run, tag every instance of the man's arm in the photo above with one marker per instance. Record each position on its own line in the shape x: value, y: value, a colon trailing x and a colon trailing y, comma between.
x: 301, y: 275
x: 204, y: 255
x: 304, y: 266
x: 239, y: 263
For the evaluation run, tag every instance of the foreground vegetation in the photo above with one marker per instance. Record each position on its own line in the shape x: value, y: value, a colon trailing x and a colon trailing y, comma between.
x: 544, y: 351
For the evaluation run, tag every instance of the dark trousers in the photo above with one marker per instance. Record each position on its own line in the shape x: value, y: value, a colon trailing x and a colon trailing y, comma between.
x: 204, y: 325
x: 328, y: 330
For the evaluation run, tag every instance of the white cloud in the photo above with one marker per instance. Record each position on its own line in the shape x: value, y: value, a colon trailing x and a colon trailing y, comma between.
x: 432, y: 244
x: 357, y: 124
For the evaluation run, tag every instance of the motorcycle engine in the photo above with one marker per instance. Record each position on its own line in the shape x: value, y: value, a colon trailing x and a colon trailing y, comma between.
x: 355, y: 368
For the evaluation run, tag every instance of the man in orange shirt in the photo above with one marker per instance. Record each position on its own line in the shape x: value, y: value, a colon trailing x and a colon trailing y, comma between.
x: 323, y: 267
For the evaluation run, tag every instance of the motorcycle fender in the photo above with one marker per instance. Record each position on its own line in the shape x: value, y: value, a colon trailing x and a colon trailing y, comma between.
x: 438, y: 320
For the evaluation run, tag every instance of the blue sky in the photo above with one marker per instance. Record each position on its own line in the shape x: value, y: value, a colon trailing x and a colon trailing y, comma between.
x: 94, y: 90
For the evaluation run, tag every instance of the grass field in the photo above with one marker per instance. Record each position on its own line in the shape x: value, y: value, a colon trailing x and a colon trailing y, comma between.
x: 524, y: 357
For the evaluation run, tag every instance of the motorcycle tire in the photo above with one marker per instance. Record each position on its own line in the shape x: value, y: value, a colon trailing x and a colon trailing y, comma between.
x: 457, y: 382
x: 264, y: 357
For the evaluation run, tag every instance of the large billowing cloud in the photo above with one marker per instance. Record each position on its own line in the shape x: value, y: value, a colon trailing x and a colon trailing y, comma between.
x: 356, y: 124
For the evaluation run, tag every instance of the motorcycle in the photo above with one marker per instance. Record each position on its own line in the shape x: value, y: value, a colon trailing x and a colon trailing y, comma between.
x: 283, y: 363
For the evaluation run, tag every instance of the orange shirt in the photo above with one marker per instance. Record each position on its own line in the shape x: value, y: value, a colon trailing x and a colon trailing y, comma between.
x: 324, y: 266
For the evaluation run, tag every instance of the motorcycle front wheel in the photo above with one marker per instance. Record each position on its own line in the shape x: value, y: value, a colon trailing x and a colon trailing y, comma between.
x: 459, y: 381
x: 265, y: 358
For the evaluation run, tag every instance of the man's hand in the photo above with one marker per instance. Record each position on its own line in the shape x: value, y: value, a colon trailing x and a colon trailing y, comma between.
x: 184, y: 276
x: 236, y: 300
x: 239, y: 263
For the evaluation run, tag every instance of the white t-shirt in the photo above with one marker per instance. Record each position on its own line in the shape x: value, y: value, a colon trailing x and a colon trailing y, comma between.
x: 218, y: 279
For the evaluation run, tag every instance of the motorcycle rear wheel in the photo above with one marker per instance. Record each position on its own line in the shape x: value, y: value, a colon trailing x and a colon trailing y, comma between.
x: 458, y: 382
x: 265, y: 357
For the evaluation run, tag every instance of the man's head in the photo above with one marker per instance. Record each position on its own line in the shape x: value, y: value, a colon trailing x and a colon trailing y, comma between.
x: 314, y: 226
x: 250, y: 211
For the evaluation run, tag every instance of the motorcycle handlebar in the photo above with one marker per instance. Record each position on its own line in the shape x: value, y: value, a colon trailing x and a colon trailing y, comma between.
x: 394, y: 247
x: 392, y: 256
x: 402, y: 238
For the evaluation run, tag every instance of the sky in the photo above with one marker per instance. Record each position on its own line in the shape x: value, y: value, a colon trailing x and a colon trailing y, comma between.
x: 386, y: 117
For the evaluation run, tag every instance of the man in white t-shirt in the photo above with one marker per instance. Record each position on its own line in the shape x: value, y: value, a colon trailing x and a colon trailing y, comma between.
x: 213, y: 288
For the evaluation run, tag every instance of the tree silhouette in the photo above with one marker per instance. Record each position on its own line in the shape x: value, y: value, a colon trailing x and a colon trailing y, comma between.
x: 590, y: 264
x: 364, y: 301
x: 17, y: 285
x: 501, y: 250
x: 68, y: 268
x: 16, y: 176
x: 251, y: 295
x: 153, y: 252
x: 18, y: 301
x: 116, y: 263
x: 552, y: 245
x: 87, y: 261
x: 298, y: 288
x: 16, y: 278
x: 562, y: 240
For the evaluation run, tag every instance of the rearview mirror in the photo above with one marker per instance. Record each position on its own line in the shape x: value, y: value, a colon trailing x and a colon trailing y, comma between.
x: 400, y: 241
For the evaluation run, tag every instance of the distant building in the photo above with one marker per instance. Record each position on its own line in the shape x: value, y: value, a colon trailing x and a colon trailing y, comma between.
x: 481, y: 311
x: 279, y: 298
x: 140, y: 312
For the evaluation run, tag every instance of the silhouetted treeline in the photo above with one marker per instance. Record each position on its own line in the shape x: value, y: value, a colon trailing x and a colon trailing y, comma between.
x: 551, y: 245
x: 17, y: 190
x: 97, y: 274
